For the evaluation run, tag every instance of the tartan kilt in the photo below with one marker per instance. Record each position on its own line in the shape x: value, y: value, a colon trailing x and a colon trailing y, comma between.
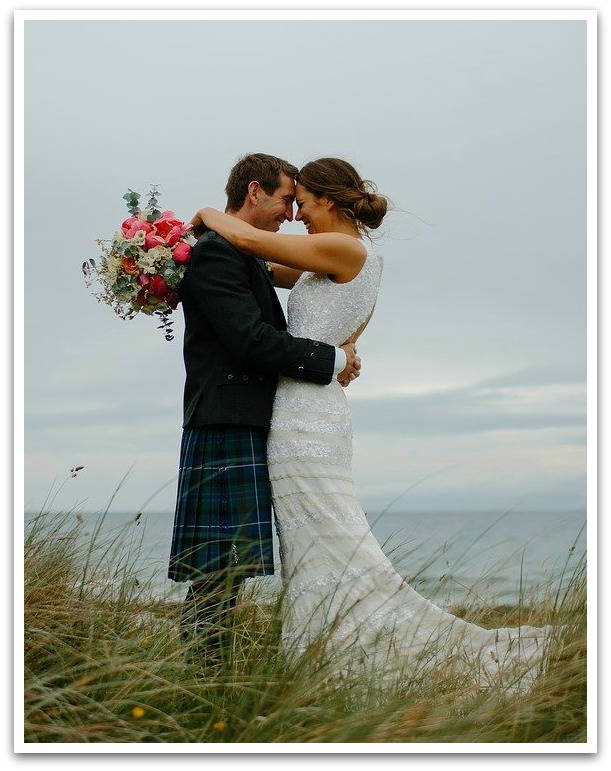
x: 223, y: 516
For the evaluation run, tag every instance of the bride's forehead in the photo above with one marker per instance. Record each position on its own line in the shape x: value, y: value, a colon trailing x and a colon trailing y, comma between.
x: 302, y: 192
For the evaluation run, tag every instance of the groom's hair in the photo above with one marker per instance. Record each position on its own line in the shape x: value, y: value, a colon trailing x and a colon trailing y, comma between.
x: 255, y: 167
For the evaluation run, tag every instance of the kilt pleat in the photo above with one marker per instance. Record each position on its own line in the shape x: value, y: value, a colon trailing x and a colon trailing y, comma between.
x: 223, y: 515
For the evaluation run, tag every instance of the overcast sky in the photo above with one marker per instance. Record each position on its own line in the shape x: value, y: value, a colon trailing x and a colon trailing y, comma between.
x: 473, y: 389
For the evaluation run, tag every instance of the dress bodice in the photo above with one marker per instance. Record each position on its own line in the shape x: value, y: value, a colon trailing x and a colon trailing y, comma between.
x: 320, y: 309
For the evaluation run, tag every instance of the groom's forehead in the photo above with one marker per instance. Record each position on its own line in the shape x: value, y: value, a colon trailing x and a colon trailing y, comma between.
x: 286, y: 188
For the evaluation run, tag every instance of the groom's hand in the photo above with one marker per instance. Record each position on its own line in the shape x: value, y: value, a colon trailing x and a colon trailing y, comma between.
x: 353, y: 365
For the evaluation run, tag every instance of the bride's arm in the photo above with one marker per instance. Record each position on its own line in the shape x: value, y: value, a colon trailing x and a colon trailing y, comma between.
x: 336, y: 254
x: 284, y: 278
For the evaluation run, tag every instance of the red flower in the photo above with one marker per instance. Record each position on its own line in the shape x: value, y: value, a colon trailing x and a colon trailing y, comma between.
x: 166, y: 231
x: 181, y: 253
x: 167, y: 223
x: 172, y: 299
x: 158, y: 287
x: 141, y: 298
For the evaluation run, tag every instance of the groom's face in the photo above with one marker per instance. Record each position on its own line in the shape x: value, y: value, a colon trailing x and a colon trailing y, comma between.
x: 272, y: 210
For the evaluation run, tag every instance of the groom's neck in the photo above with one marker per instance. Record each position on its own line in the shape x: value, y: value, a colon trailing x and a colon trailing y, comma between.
x: 246, y: 214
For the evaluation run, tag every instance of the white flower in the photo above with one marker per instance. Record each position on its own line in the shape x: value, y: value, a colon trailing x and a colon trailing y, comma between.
x: 150, y: 261
x: 138, y: 239
x: 113, y: 263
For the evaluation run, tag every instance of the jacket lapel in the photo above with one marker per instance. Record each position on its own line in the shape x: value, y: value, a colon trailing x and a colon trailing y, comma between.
x: 262, y: 265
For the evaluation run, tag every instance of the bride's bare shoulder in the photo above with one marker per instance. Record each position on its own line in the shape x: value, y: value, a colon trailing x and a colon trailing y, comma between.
x: 346, y: 243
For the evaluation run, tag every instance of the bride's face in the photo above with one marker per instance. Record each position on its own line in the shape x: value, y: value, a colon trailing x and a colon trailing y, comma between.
x: 312, y: 211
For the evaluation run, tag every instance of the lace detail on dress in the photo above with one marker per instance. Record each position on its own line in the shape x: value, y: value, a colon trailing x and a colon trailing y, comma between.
x: 308, y: 405
x: 323, y: 310
x: 331, y: 580
x: 332, y: 507
x: 306, y: 450
x: 319, y: 425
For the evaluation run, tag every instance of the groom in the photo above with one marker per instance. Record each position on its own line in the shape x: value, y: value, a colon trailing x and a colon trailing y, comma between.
x: 235, y: 347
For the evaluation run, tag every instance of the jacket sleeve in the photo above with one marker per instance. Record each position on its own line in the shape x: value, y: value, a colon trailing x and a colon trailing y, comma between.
x: 218, y: 284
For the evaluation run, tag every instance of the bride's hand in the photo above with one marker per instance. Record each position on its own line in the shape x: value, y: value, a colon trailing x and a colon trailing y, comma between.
x: 198, y: 225
x: 353, y: 365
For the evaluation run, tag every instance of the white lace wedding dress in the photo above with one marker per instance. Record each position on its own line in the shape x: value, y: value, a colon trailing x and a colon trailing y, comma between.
x: 339, y: 586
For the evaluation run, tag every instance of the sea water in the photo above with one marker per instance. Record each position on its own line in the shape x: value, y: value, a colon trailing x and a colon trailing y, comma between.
x: 449, y: 557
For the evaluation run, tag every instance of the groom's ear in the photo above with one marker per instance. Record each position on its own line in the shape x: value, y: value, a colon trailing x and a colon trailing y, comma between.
x: 253, y: 192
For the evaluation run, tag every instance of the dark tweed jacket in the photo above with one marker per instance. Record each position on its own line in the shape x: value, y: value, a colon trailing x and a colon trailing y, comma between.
x: 236, y: 343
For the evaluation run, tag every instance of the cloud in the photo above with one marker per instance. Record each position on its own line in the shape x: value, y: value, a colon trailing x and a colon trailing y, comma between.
x: 528, y: 399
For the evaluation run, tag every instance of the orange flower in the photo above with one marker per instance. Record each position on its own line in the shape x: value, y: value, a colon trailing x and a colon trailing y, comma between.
x: 220, y: 726
x: 138, y: 712
x: 129, y: 266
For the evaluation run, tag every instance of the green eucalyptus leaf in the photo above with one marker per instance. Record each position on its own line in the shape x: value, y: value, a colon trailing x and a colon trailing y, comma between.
x: 132, y: 199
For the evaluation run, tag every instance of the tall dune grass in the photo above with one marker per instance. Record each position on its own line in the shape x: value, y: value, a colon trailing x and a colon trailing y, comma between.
x: 104, y: 662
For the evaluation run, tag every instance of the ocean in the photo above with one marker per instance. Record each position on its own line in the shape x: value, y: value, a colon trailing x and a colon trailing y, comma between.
x: 449, y: 557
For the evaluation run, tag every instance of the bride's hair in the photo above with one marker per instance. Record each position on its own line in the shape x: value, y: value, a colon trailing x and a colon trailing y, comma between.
x: 356, y: 198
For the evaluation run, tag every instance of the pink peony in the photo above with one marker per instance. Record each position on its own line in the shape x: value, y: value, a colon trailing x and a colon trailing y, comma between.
x: 181, y: 253
x: 131, y: 226
x: 152, y: 240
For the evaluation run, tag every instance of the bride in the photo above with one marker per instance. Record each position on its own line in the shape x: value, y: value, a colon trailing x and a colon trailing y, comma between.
x: 339, y: 586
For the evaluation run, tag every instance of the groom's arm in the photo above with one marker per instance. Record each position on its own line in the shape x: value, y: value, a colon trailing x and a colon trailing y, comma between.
x: 218, y: 284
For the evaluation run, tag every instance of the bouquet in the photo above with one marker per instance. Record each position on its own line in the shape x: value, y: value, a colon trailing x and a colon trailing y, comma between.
x: 141, y: 267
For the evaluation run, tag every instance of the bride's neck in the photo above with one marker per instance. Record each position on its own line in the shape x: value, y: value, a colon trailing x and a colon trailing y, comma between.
x: 344, y: 226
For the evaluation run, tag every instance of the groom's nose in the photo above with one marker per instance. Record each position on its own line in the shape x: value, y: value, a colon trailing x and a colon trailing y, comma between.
x: 289, y: 212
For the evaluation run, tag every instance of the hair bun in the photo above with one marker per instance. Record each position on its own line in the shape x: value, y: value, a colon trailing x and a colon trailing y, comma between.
x: 371, y: 209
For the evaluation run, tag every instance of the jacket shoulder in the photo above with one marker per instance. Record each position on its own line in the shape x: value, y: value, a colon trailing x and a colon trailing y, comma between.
x: 212, y: 240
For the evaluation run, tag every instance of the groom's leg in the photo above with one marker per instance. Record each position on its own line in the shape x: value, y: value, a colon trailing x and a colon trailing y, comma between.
x: 206, y: 617
x: 223, y: 523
